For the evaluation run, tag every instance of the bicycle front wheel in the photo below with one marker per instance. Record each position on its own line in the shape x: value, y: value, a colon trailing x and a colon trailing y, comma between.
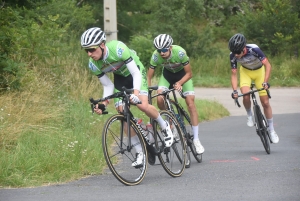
x: 119, y: 155
x: 171, y: 158
x: 262, y: 128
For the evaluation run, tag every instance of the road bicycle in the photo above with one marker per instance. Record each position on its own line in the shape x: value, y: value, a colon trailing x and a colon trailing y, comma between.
x: 119, y: 151
x: 261, y: 123
x: 173, y: 159
x: 184, y: 120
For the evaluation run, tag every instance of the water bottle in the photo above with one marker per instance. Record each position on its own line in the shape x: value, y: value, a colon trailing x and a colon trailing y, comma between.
x: 144, y: 130
x: 150, y: 132
x: 179, y: 120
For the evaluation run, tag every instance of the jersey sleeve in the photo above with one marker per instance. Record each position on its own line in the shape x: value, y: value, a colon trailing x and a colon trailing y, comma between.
x: 233, y: 61
x: 154, y: 60
x: 258, y: 53
x: 182, y: 55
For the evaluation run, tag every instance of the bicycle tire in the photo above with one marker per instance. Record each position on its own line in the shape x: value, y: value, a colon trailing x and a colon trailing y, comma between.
x: 118, y: 155
x: 188, y: 161
x: 261, y: 128
x: 173, y: 105
x: 171, y: 158
x: 187, y: 131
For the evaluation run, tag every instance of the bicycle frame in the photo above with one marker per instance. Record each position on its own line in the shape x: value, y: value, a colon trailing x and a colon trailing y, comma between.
x: 167, y: 100
x: 180, y: 118
x: 126, y: 112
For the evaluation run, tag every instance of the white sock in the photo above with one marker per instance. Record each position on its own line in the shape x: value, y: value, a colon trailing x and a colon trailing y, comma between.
x: 136, y: 143
x: 195, y: 131
x: 161, y: 122
x: 271, y: 126
x: 249, y: 112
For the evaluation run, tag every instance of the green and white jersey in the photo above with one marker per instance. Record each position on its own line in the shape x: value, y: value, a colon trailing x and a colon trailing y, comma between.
x: 176, y: 62
x: 115, y: 60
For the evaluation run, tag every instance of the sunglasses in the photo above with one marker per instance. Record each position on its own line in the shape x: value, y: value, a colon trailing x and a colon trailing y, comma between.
x: 164, y: 50
x: 91, y: 50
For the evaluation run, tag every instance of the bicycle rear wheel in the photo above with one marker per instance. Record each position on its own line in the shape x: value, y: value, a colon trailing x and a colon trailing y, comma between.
x: 171, y: 158
x: 119, y: 155
x: 262, y: 128
x: 187, y: 130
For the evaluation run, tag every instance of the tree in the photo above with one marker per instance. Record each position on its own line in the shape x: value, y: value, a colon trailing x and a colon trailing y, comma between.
x: 273, y: 25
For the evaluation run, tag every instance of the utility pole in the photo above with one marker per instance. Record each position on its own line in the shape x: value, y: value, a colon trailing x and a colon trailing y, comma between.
x: 110, y: 19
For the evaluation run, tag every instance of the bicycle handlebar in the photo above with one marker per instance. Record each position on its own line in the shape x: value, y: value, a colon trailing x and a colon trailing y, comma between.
x: 124, y: 93
x: 251, y: 92
x: 165, y: 92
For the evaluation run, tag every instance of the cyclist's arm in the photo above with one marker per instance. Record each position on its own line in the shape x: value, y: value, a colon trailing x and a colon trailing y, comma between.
x: 188, y: 74
x: 154, y: 62
x: 136, y: 75
x: 234, y: 79
x: 234, y: 69
x: 268, y: 69
x: 150, y: 74
x: 108, y: 87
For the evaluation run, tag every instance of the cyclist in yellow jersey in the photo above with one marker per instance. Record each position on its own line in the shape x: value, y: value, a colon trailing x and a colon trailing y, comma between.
x: 128, y: 71
x: 176, y: 73
x: 254, y: 67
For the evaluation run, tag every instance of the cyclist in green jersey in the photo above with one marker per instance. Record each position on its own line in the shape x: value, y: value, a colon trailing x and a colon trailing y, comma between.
x: 128, y: 71
x: 176, y: 73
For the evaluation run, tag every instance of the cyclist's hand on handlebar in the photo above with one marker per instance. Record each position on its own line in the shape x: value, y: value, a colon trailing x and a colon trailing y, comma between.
x: 99, y: 108
x: 266, y: 85
x: 234, y: 94
x: 177, y: 86
x: 134, y: 99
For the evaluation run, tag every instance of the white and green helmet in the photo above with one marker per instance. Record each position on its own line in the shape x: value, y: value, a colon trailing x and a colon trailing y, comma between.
x: 92, y: 37
x: 162, y: 41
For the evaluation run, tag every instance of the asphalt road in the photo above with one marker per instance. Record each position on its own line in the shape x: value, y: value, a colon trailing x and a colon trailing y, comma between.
x: 235, y: 165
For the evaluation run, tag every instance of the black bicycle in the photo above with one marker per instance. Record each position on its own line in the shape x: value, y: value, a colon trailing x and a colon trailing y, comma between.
x: 184, y: 120
x: 120, y: 152
x: 261, y: 123
x: 172, y: 158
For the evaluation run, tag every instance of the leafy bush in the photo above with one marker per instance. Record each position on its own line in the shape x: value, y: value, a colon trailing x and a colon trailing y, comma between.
x: 273, y: 25
x: 143, y: 45
x: 32, y: 34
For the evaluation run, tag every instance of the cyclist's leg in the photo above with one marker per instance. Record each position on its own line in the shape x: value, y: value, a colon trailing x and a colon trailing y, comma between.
x: 163, y: 84
x: 166, y: 81
x: 145, y: 107
x: 264, y: 99
x: 245, y: 83
x: 188, y: 91
x: 260, y: 75
x: 151, y: 111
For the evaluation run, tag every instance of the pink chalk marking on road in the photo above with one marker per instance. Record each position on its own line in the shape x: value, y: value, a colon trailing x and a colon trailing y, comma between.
x: 234, y: 161
x: 254, y: 158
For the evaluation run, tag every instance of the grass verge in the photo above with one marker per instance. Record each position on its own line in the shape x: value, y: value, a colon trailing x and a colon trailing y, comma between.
x: 60, y: 143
